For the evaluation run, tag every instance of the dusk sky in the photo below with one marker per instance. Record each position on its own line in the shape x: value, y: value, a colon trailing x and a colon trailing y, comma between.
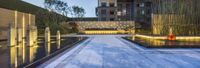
x: 88, y: 5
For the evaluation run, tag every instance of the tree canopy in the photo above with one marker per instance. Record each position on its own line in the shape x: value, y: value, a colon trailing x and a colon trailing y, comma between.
x: 62, y: 7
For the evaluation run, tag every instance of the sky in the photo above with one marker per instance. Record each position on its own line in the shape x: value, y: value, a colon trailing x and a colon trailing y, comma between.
x: 88, y: 5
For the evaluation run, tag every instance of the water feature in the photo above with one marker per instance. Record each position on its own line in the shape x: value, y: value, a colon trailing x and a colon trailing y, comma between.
x: 180, y: 42
x: 22, y: 49
x: 21, y: 55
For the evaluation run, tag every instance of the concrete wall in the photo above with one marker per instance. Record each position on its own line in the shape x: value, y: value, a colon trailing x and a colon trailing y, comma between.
x: 13, y: 17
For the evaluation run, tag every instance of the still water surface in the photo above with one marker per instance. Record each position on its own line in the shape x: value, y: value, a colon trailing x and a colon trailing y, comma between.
x: 188, y: 43
x: 21, y: 55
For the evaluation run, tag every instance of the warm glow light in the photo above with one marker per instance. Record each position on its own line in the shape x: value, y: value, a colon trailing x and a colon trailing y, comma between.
x: 171, y: 37
x: 23, y: 26
x: 151, y: 37
x: 58, y: 39
x: 16, y: 15
x: 32, y: 53
x: 165, y: 37
x: 104, y: 31
x: 29, y: 23
x: 13, y: 57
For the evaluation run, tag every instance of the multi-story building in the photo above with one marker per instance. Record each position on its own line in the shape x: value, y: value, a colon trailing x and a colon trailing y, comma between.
x: 143, y: 12
x: 158, y: 16
x: 114, y: 10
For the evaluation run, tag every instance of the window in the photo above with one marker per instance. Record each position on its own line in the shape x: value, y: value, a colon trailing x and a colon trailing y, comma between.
x: 119, y: 13
x: 124, y: 12
x: 103, y: 18
x: 103, y: 11
x: 103, y: 4
x: 112, y: 5
x: 128, y: 6
x: 142, y: 5
x: 148, y: 11
x: 148, y: 4
x: 149, y: 19
x: 112, y: 19
x: 112, y: 12
x: 119, y: 6
x: 138, y: 5
x: 142, y: 12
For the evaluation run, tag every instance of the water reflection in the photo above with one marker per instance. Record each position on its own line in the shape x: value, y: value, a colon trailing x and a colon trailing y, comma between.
x: 48, y: 47
x: 13, y: 57
x: 22, y: 55
x: 166, y: 43
x: 32, y: 53
x: 58, y: 44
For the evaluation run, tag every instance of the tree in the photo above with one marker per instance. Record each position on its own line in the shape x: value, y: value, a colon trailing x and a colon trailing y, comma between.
x: 57, y: 6
x: 62, y: 7
x: 78, y: 11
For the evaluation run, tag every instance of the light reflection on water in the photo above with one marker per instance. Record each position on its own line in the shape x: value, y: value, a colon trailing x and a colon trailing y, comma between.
x: 21, y: 55
x: 167, y: 43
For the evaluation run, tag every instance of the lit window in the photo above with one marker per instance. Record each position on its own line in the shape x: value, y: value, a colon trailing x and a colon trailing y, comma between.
x: 142, y: 12
x: 103, y: 11
x: 119, y: 13
x: 112, y: 5
x: 142, y: 5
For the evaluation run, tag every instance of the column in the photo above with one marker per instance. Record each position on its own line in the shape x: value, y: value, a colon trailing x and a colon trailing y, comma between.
x: 12, y: 35
x: 47, y: 40
x: 58, y: 39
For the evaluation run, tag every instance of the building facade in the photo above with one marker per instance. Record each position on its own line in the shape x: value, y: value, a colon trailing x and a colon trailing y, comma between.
x: 115, y: 10
x: 143, y: 12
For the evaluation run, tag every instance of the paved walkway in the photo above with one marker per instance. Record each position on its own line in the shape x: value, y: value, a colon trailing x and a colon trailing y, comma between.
x: 113, y: 52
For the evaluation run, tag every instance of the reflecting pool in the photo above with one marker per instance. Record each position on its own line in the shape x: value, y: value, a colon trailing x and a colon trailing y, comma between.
x: 160, y: 43
x: 22, y: 55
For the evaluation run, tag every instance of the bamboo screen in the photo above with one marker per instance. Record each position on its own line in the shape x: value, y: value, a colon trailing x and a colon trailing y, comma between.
x: 180, y: 15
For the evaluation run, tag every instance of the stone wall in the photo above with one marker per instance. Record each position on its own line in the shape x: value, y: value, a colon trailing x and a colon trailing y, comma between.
x: 14, y: 17
x: 83, y: 25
